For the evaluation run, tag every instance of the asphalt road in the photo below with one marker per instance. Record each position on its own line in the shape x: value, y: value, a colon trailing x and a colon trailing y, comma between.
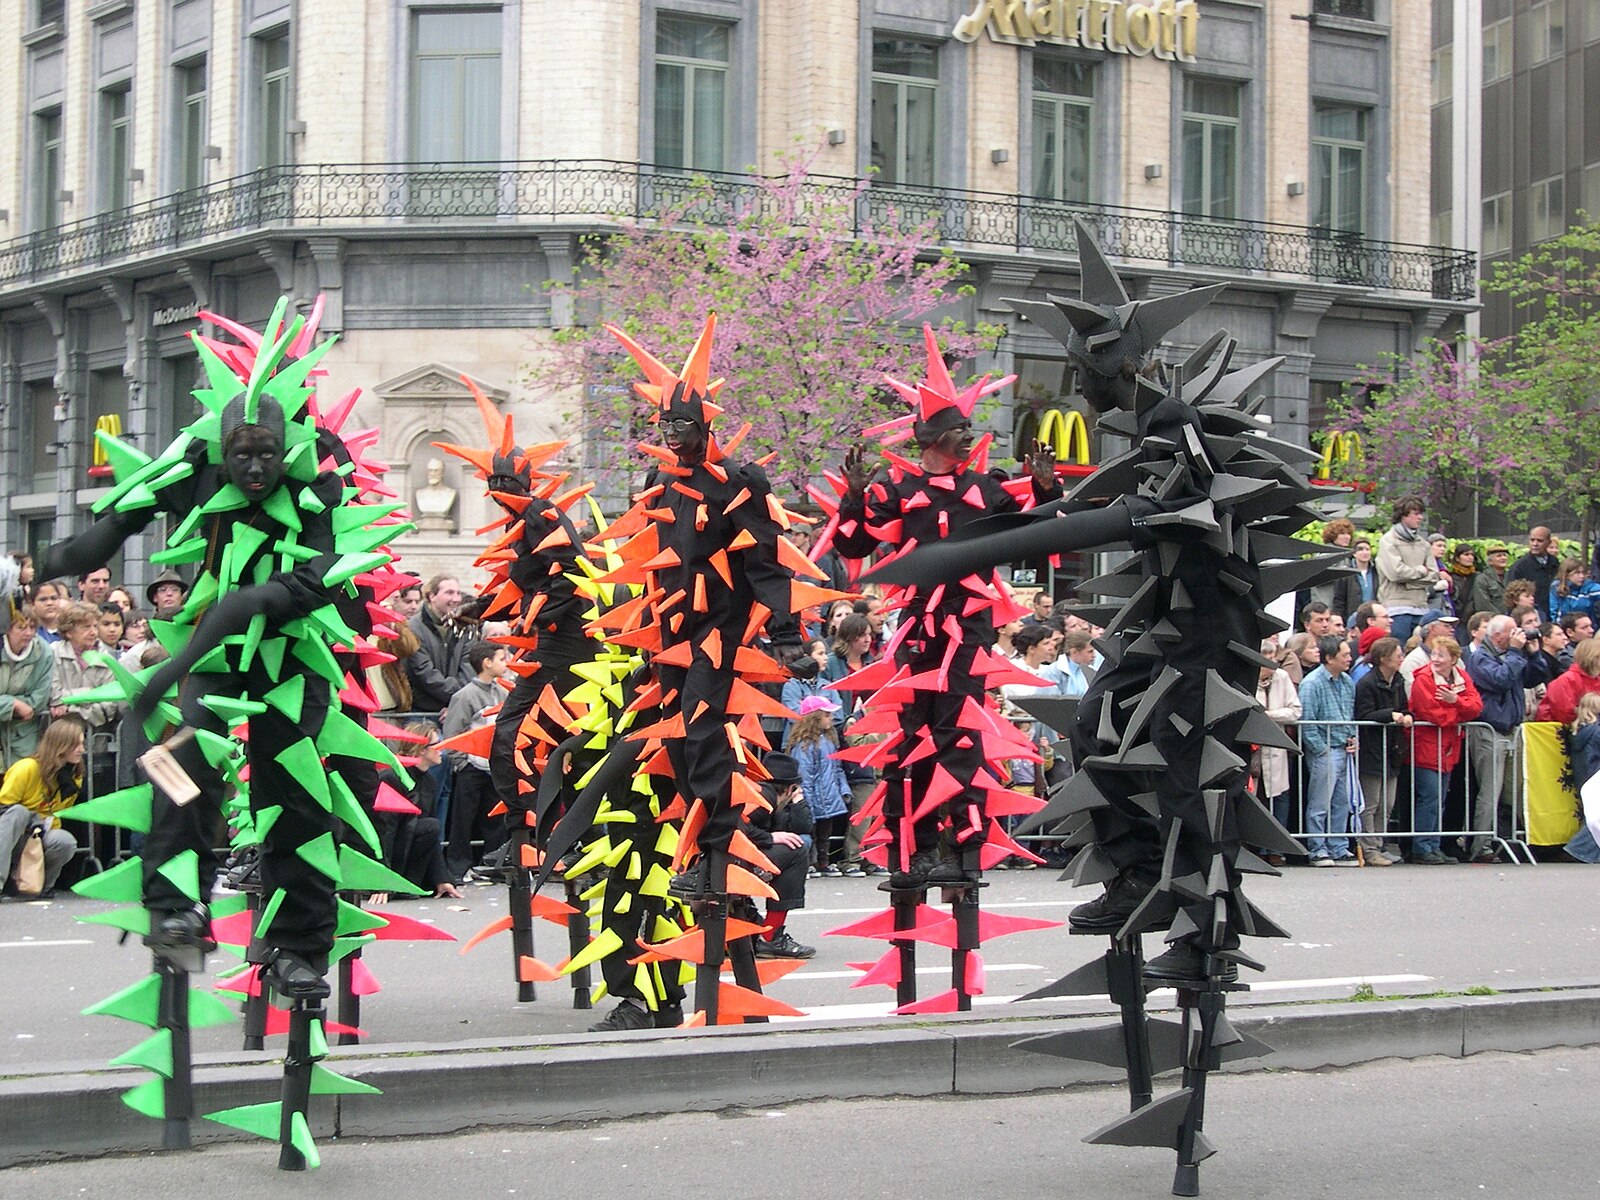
x: 1404, y: 929
x: 1429, y: 1129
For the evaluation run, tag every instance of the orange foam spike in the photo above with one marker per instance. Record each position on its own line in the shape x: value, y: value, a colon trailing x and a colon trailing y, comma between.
x: 713, y: 647
x: 690, y: 834
x: 742, y: 698
x: 547, y: 908
x: 531, y: 970
x: 473, y: 741
x: 697, y: 367
x: 739, y: 498
x: 734, y: 1003
x: 695, y: 1020
x: 499, y: 810
x: 789, y: 555
x: 746, y: 883
x: 719, y: 564
x: 742, y: 540
x: 529, y: 857
x: 699, y: 602
x: 804, y: 595
x: 732, y: 443
x: 748, y: 797
x: 688, y: 947
x: 747, y: 850
x: 498, y: 925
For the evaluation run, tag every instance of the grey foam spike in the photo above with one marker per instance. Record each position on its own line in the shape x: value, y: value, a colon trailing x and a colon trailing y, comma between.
x: 1264, y: 926
x: 1258, y: 828
x: 1087, y: 980
x: 1203, y: 352
x: 1223, y: 699
x: 1280, y: 579
x: 1231, y: 386
x: 1093, y: 865
x: 1251, y: 655
x: 1261, y: 730
x: 1250, y: 863
x: 1216, y: 760
x: 1060, y: 317
x: 1156, y: 1124
x: 1161, y: 316
x: 1100, y: 282
x: 1077, y: 795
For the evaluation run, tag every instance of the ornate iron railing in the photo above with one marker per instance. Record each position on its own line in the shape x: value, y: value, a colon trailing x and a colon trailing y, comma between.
x: 352, y: 197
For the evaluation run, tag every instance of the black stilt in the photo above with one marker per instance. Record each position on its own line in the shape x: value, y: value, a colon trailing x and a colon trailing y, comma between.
x: 178, y: 1091
x: 742, y: 956
x: 711, y: 914
x: 963, y: 902
x: 577, y: 939
x: 1203, y: 1005
x: 349, y: 1008
x: 297, y: 1063
x: 1125, y: 984
x: 255, y: 1005
x: 521, y: 903
x: 905, y: 902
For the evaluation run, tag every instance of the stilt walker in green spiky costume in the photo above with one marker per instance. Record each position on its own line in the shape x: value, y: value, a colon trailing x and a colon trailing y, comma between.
x: 280, y: 544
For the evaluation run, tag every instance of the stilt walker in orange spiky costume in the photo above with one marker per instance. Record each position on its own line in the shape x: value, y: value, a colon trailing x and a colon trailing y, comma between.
x: 706, y: 542
x: 943, y: 778
x: 533, y: 572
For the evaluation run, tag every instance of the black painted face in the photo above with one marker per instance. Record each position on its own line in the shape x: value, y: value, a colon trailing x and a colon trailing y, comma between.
x: 685, y: 438
x: 254, y: 461
x: 1106, y: 393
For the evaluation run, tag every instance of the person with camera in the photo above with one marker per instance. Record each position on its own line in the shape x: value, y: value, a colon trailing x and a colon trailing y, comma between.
x: 1503, y: 667
x: 784, y: 836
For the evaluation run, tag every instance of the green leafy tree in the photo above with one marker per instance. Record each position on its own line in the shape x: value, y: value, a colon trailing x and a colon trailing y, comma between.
x: 818, y: 286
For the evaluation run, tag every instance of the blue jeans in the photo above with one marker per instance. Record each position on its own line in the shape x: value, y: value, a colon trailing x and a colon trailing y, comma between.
x: 1328, y: 791
x: 1582, y: 846
x: 1403, y: 625
x: 1425, y: 809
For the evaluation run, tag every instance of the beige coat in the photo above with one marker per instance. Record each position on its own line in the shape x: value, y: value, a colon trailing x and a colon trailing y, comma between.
x: 1282, y: 702
x: 1406, y: 572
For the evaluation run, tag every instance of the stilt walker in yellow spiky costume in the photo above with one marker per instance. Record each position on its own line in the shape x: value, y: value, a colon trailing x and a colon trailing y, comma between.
x: 283, y: 548
x: 705, y: 540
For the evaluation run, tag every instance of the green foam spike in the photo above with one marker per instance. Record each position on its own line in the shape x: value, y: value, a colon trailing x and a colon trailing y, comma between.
x: 342, y: 735
x: 279, y: 505
x: 228, y: 499
x: 346, y: 946
x: 288, y: 697
x: 348, y: 810
x: 229, y: 708
x: 166, y: 713
x: 124, y: 882
x: 268, y: 912
x: 351, y: 565
x: 321, y: 854
x: 252, y: 640
x: 265, y: 819
x: 316, y: 655
x: 126, y: 460
x: 303, y: 762
x: 362, y: 874
x: 355, y: 919
x: 326, y: 1083
x: 309, y: 500
x: 216, y: 747
x: 300, y: 1139
x: 149, y: 1098
x: 317, y: 1041
x: 272, y: 651
x: 246, y: 540
x: 182, y: 870
x: 263, y: 1120
x: 226, y: 906
x: 126, y: 809
x: 191, y: 550
x: 153, y: 1054
x: 172, y: 636
x: 134, y: 919
x: 133, y: 682
x: 207, y: 1010
x: 138, y: 1002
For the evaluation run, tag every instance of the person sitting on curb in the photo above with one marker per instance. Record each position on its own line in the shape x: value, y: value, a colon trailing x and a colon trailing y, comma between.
x: 784, y: 836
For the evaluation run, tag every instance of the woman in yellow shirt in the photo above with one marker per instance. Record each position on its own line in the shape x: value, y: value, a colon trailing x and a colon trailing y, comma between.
x: 38, y: 787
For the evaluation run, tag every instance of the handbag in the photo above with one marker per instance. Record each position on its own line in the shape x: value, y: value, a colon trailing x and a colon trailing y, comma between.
x: 28, y: 876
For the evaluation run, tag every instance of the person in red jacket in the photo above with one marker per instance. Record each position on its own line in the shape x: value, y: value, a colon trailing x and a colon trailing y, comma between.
x: 1443, y: 698
x: 1560, y: 701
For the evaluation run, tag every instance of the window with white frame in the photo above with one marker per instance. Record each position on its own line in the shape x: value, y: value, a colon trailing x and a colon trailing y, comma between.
x: 1211, y: 138
x: 47, y: 169
x: 274, y: 98
x: 1063, y: 128
x: 1442, y: 73
x: 905, y: 111
x: 1548, y: 218
x: 691, y: 101
x: 1496, y: 51
x: 192, y: 125
x: 1497, y: 224
x: 1441, y: 228
x: 1339, y: 169
x: 455, y: 111
x: 1549, y: 24
x: 48, y: 12
x: 116, y: 128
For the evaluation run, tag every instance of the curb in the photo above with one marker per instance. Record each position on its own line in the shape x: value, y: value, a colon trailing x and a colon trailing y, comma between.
x: 433, y: 1089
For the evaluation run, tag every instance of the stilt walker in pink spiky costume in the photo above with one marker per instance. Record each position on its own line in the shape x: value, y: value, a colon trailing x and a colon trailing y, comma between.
x: 943, y: 780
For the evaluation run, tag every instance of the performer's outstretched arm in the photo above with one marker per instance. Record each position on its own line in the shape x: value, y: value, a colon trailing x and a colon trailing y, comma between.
x: 950, y: 560
x: 94, y: 547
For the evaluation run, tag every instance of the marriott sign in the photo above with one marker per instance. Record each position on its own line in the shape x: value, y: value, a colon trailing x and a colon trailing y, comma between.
x: 1166, y: 28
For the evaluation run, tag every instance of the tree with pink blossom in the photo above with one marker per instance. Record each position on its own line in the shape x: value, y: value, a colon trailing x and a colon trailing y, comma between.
x: 819, y: 286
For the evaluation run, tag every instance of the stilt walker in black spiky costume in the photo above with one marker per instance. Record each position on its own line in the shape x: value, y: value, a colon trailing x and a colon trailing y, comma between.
x: 1163, y: 735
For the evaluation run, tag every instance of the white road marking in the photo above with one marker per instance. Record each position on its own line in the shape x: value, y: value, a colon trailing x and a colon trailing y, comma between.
x: 845, y: 1012
x: 990, y: 968
x: 60, y: 942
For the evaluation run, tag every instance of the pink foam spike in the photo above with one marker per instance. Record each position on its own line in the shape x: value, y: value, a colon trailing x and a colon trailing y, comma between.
x: 246, y: 982
x: 408, y: 929
x: 989, y: 855
x: 1003, y: 802
x: 244, y: 333
x: 234, y: 929
x: 884, y: 972
x: 383, y: 729
x: 362, y: 981
x: 944, y: 1002
x: 308, y: 332
x: 999, y: 837
x: 993, y: 925
x: 278, y: 1022
x: 391, y: 801
x: 975, y: 979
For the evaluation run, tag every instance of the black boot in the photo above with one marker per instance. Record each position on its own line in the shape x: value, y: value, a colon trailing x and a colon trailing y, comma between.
x: 185, y: 929
x: 1111, y: 911
x: 295, y: 976
x: 1185, y: 962
x: 917, y: 871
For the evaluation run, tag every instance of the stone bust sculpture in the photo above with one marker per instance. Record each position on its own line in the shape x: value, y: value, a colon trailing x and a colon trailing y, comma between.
x: 434, y: 505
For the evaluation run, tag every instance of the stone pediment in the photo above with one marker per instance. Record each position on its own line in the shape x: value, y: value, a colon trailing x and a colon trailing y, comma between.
x: 436, y: 381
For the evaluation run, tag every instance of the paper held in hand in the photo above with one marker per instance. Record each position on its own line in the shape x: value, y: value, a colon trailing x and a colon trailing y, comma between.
x: 165, y: 772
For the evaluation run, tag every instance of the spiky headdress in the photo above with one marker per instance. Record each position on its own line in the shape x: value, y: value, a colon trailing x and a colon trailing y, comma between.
x: 513, y: 472
x: 1109, y: 338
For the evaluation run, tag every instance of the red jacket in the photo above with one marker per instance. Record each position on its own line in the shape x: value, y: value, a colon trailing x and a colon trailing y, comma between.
x: 1436, y: 746
x: 1561, y: 698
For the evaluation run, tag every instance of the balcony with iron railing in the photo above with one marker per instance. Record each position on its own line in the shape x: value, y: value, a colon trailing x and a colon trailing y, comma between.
x: 408, y: 198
